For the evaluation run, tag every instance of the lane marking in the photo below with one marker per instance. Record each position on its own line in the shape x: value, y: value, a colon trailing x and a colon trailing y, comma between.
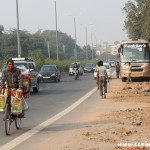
x: 43, y: 125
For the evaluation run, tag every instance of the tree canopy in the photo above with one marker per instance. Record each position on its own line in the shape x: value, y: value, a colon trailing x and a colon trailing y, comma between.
x: 39, y: 40
x: 137, y: 22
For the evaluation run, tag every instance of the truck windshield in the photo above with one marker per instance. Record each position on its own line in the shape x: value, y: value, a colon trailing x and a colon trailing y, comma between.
x: 135, y: 53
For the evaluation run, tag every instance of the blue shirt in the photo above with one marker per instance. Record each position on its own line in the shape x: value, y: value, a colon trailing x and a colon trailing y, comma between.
x: 102, y: 71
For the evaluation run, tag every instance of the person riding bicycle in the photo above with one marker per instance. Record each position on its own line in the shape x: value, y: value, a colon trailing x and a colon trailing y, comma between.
x: 77, y: 67
x: 102, y: 79
x: 12, y: 77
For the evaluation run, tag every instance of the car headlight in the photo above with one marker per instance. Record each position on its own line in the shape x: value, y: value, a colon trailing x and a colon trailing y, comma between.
x: 53, y: 75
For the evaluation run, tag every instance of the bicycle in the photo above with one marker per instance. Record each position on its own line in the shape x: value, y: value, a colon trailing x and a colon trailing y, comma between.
x: 10, y: 117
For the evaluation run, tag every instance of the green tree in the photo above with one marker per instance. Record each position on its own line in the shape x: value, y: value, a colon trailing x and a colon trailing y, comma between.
x: 1, y: 29
x: 137, y: 22
x: 38, y: 57
x: 31, y: 42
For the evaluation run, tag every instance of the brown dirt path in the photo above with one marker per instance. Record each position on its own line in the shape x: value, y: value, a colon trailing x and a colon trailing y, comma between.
x: 121, y: 118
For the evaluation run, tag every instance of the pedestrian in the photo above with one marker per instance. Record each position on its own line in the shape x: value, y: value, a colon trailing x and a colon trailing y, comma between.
x: 102, y: 79
x: 117, y: 69
x: 129, y: 72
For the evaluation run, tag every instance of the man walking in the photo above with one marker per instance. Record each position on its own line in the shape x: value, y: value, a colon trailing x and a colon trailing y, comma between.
x: 102, y: 79
x: 117, y: 70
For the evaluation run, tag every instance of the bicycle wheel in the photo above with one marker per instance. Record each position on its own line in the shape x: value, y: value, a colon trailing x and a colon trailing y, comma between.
x: 7, y: 119
x: 17, y: 122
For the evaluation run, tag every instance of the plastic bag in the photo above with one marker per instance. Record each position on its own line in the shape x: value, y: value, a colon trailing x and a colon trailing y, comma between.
x: 2, y: 102
x: 16, y: 105
x: 24, y: 104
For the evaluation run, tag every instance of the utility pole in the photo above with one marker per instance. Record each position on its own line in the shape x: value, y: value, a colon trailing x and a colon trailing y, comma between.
x: 56, y: 30
x: 92, y: 44
x: 49, y: 55
x: 86, y: 42
x: 18, y: 36
x: 75, y: 52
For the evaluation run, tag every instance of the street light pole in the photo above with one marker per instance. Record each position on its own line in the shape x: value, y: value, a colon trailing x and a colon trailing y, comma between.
x: 92, y: 44
x: 86, y: 42
x: 49, y: 55
x: 18, y: 36
x: 96, y: 42
x: 56, y: 30
x: 75, y: 52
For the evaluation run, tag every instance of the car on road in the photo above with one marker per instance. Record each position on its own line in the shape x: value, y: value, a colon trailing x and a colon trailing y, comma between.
x: 108, y: 69
x: 71, y: 68
x: 28, y: 71
x: 49, y: 72
x: 89, y: 67
x: 112, y: 63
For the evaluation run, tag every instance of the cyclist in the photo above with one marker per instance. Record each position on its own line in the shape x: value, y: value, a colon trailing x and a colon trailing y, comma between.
x: 102, y: 79
x: 11, y: 76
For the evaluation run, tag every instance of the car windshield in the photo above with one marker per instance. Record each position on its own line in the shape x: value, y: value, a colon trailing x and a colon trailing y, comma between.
x: 21, y: 66
x: 71, y: 65
x: 135, y: 52
x: 90, y: 65
x: 106, y: 66
x: 48, y: 68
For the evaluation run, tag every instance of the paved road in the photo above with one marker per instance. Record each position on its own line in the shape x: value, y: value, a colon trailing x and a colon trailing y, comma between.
x: 52, y: 99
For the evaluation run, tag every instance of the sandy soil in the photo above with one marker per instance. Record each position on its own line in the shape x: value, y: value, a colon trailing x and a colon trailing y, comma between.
x: 104, y: 131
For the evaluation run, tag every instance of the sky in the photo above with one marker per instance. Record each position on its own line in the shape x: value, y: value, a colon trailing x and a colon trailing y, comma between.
x: 104, y: 19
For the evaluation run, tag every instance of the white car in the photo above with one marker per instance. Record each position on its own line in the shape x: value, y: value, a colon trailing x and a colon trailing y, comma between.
x: 108, y: 69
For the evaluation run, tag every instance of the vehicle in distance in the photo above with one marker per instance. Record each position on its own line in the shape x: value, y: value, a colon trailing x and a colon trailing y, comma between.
x: 137, y: 52
x: 108, y: 69
x: 28, y: 71
x: 90, y: 67
x: 71, y: 68
x: 49, y: 72
x: 112, y: 63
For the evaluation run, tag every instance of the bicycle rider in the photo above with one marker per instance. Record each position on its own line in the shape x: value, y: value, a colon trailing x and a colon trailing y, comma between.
x: 11, y: 76
x: 102, y: 79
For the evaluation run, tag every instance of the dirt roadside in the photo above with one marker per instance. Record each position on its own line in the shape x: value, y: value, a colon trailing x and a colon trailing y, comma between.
x: 127, y: 121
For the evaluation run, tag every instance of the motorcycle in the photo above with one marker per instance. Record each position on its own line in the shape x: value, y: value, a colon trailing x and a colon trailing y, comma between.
x: 75, y: 73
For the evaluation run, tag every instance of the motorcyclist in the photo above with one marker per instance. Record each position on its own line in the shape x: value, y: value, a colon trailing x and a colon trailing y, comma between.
x: 77, y: 67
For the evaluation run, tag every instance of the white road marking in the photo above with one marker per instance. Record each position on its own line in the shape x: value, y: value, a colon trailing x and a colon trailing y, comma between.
x: 43, y: 125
